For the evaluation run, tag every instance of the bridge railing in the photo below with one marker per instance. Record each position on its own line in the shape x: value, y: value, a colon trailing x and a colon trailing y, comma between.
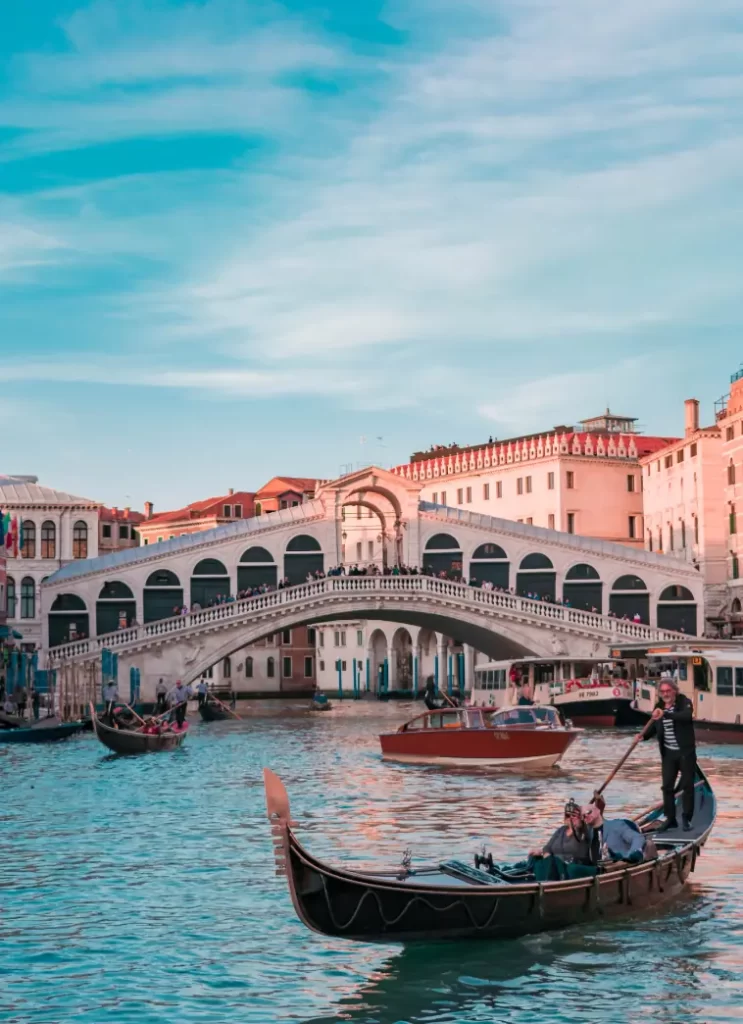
x: 370, y: 585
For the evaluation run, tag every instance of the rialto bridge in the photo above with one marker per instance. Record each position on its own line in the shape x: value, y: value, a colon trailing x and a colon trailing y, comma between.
x: 125, y: 601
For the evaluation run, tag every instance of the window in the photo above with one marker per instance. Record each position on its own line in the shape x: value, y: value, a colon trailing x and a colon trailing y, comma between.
x: 371, y: 549
x: 227, y: 511
x: 435, y: 497
x: 343, y: 665
x: 724, y: 681
x: 550, y: 481
x: 10, y: 601
x: 269, y: 640
x: 227, y: 668
x: 670, y: 537
x: 106, y: 531
x: 80, y: 540
x: 631, y: 524
x: 650, y: 540
x: 343, y: 638
x: 528, y: 485
x: 680, y: 455
x: 529, y: 521
x: 29, y: 540
x: 248, y: 668
x: 648, y: 469
x: 571, y: 522
x: 311, y: 637
x: 731, y: 472
x: 631, y: 482
x: 660, y: 538
x: 145, y: 542
x: 668, y: 461
x: 739, y: 682
x: 270, y: 668
x: 468, y: 495
x: 296, y: 503
x: 336, y: 638
x: 730, y: 433
x: 322, y: 666
x: 286, y: 636
x: 159, y: 540
x: 359, y: 638
x: 460, y: 496
x: 28, y: 599
x: 322, y: 639
x: 283, y: 503
x: 123, y: 532
x: 520, y: 485
x: 683, y: 534
x: 570, y: 480
x: 551, y: 521
x: 286, y: 668
x: 693, y: 450
x: 696, y: 530
x: 735, y: 570
x: 308, y: 668
x: 486, y: 492
x: 443, y: 497
x: 733, y: 520
x: 48, y: 540
x: 657, y: 466
x: 238, y: 511
x: 258, y: 508
x: 499, y: 489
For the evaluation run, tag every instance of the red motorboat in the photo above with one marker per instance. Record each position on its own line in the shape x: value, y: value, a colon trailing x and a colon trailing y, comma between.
x: 524, y: 737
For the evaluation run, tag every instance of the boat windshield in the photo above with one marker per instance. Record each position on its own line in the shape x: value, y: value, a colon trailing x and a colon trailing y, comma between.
x: 512, y: 716
x: 547, y: 716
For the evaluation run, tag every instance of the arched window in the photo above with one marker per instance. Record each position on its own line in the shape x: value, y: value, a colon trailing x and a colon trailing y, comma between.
x: 10, y: 597
x: 28, y: 598
x: 270, y: 668
x: 536, y: 577
x: 227, y: 668
x: 80, y: 540
x: 629, y: 599
x: 489, y: 564
x: 303, y: 543
x: 629, y: 583
x: 29, y: 539
x: 248, y: 668
x: 731, y: 472
x: 582, y: 571
x: 48, y: 540
x: 582, y: 588
x: 443, y: 556
x: 677, y: 593
x: 535, y: 561
x: 442, y: 542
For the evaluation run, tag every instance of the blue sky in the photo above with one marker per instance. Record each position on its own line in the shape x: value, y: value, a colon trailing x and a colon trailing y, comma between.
x: 236, y: 237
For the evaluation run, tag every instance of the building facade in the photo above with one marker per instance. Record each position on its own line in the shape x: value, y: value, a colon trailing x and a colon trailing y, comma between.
x: 584, y: 480
x: 280, y: 665
x: 118, y: 529
x: 193, y: 518
x: 729, y: 419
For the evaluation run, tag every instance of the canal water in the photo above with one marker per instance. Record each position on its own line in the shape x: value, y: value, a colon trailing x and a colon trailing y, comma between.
x: 143, y: 890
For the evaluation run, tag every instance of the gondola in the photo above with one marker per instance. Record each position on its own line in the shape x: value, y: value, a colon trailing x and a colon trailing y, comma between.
x: 47, y: 730
x: 212, y: 712
x: 130, y: 741
x: 454, y: 900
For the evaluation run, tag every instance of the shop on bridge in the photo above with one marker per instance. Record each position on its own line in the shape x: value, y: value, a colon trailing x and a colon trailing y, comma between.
x: 630, y: 599
x: 115, y: 608
x: 303, y: 557
x: 162, y: 595
x: 68, y: 620
x: 489, y: 564
x: 257, y: 568
x: 537, y: 576
x: 583, y: 588
x: 209, y: 581
x: 442, y: 555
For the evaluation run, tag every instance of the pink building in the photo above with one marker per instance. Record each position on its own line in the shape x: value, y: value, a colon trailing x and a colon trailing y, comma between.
x: 729, y: 415
x: 584, y: 480
x: 683, y: 496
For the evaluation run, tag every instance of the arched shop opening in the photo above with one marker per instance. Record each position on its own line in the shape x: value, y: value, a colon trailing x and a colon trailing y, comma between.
x: 256, y: 569
x: 536, y: 576
x: 163, y: 596
x: 677, y: 610
x: 583, y: 589
x: 115, y: 608
x: 68, y: 620
x: 378, y: 661
x: 209, y: 581
x: 629, y: 599
x: 303, y: 556
x: 443, y: 553
x: 490, y: 564
x: 402, y: 655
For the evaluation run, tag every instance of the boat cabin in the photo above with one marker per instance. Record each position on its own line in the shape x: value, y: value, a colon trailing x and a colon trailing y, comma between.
x: 526, y: 716
x: 711, y: 677
x: 500, y: 683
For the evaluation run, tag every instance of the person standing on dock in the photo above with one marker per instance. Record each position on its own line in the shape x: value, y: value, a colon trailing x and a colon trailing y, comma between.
x: 178, y: 699
x: 673, y: 724
x: 202, y: 691
x: 161, y: 692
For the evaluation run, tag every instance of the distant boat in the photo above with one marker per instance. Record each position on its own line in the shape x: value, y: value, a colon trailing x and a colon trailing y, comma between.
x: 46, y: 730
x: 212, y: 712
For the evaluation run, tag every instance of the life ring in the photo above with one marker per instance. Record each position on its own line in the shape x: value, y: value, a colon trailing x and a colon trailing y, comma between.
x: 617, y: 692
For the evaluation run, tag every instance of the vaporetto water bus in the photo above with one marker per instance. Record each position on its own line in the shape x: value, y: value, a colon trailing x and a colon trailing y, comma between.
x: 590, y: 691
x: 711, y: 676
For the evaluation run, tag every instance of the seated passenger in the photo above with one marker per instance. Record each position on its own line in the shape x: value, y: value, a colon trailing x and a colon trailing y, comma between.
x: 571, y: 841
x: 616, y: 839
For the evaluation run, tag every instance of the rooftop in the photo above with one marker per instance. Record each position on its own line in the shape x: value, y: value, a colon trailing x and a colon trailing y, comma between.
x: 18, y: 491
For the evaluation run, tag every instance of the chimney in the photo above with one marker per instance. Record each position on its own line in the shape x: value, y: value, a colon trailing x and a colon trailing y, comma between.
x: 231, y: 491
x: 148, y: 508
x: 127, y: 510
x: 691, y: 416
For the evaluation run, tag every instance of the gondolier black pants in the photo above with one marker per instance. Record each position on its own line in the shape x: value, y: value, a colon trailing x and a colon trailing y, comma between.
x: 180, y: 714
x: 674, y: 764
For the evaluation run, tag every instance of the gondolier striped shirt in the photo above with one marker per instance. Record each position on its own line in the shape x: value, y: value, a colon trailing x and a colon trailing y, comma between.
x: 669, y: 732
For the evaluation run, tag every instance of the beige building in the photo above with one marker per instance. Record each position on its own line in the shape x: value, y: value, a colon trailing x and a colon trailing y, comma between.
x: 583, y: 480
x: 729, y: 415
x: 683, y: 497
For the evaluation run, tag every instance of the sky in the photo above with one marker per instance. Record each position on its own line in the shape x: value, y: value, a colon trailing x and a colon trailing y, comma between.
x: 243, y: 239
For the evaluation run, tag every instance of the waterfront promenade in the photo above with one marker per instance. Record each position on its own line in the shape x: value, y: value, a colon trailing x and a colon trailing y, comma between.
x: 143, y: 889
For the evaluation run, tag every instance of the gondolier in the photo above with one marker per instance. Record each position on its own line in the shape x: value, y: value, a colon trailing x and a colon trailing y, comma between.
x: 202, y: 691
x: 673, y: 724
x: 177, y: 699
x: 110, y: 696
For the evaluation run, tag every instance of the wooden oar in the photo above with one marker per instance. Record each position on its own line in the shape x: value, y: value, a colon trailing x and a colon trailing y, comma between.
x: 640, y: 736
x: 127, y: 706
x: 448, y: 699
x: 169, y: 711
x: 223, y: 705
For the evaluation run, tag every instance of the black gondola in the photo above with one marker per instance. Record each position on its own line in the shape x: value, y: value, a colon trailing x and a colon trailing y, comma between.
x: 452, y: 900
x: 210, y: 711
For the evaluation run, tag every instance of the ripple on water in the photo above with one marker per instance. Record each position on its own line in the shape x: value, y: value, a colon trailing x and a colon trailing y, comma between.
x: 142, y: 889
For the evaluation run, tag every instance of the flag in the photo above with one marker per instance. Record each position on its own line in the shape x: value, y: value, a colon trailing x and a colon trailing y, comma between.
x: 14, y: 535
x: 8, y: 532
x: 2, y: 528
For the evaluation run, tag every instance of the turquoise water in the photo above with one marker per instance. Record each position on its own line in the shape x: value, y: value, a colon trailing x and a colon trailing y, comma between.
x: 142, y: 889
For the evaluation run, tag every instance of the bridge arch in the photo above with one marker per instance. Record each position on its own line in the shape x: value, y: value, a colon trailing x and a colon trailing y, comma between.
x: 257, y: 567
x: 536, y: 576
x: 489, y: 563
x: 68, y: 619
x: 630, y: 598
x: 443, y: 554
x: 677, y: 609
x: 115, y: 607
x: 582, y: 587
x: 210, y: 580
x: 303, y: 557
x: 161, y: 595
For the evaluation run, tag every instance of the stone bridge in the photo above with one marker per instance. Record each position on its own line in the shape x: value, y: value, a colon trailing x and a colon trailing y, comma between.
x: 125, y: 601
